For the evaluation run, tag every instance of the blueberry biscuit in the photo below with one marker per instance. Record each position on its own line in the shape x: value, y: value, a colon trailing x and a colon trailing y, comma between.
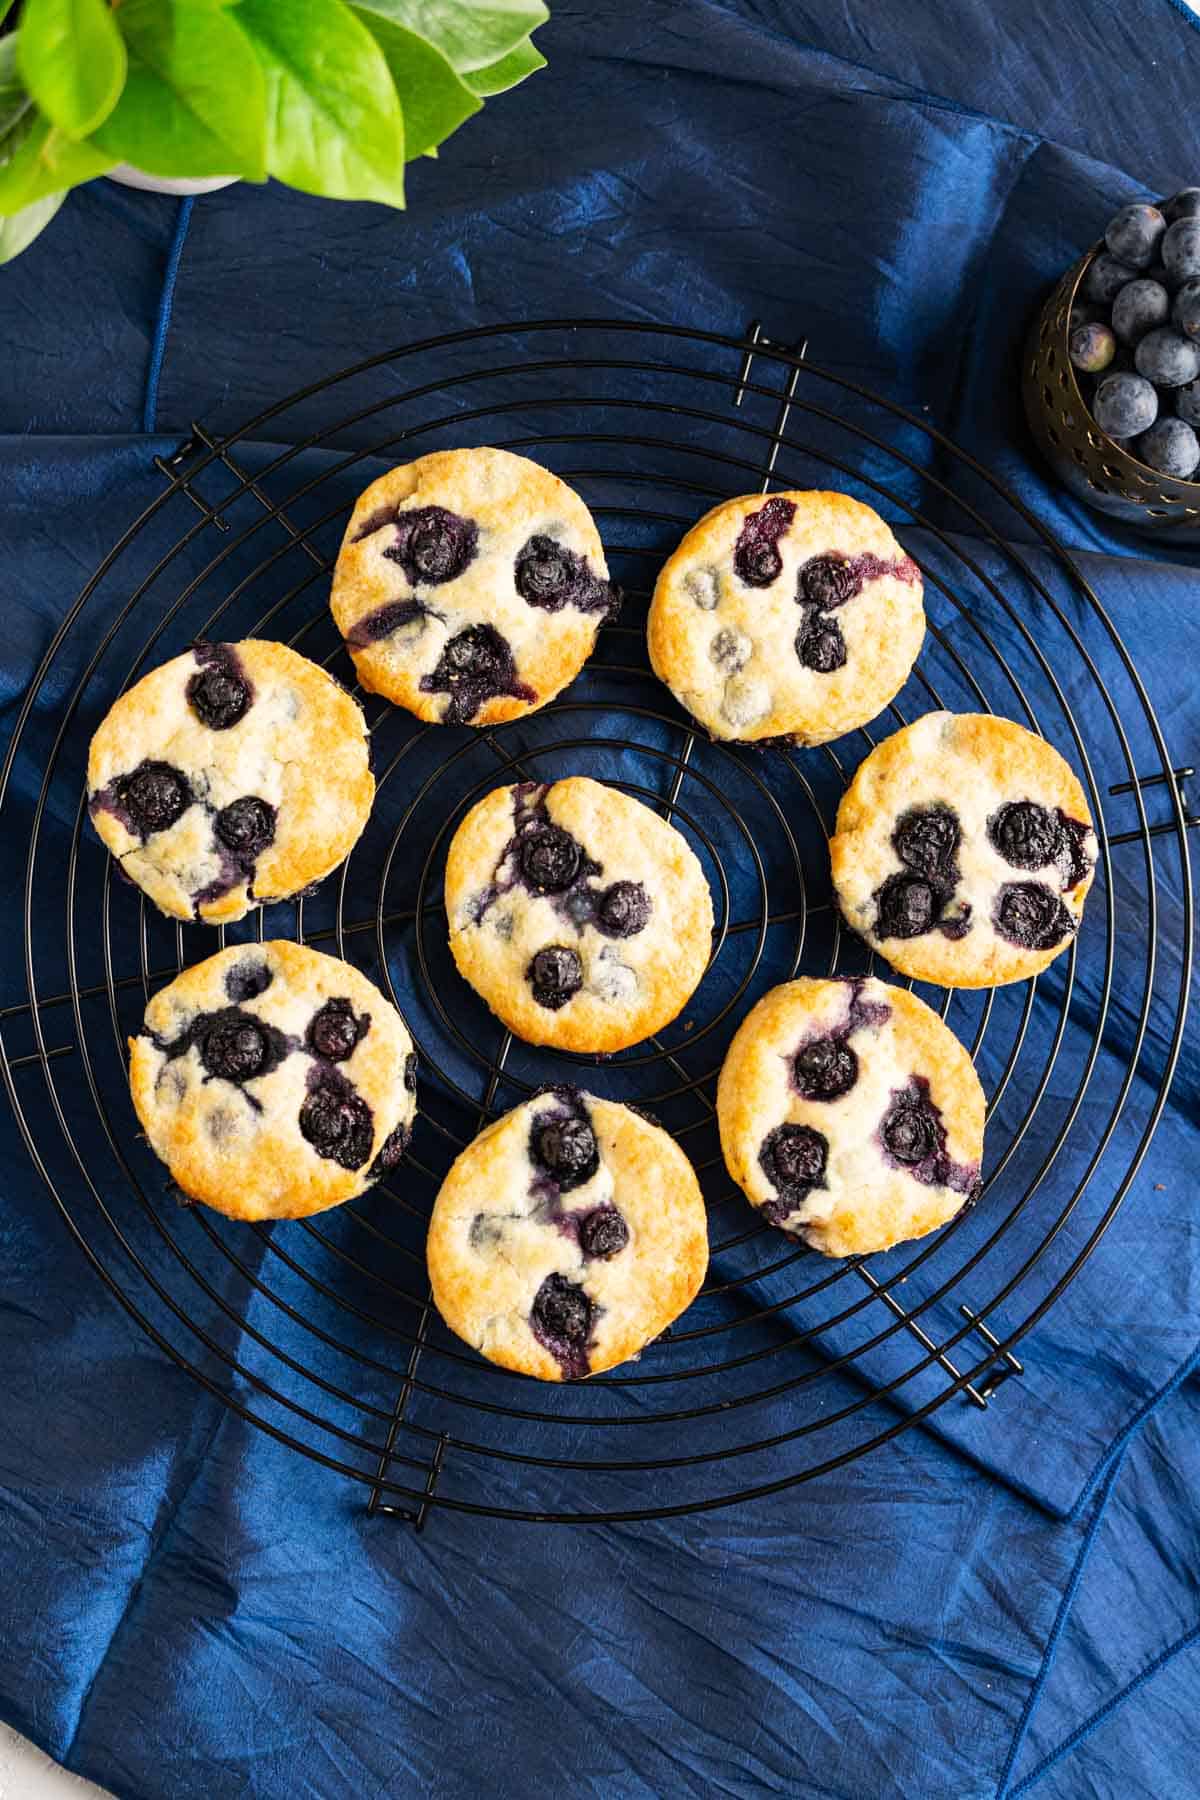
x: 964, y: 851
x: 273, y: 1081
x: 796, y: 616
x: 567, y: 1236
x: 850, y: 1115
x: 470, y: 586
x: 235, y: 775
x: 581, y: 917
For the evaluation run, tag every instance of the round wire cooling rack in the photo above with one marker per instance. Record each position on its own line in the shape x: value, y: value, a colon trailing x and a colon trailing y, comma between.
x: 321, y: 1332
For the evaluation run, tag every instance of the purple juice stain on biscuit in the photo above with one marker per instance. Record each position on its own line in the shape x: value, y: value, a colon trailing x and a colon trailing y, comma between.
x: 373, y: 627
x: 756, y: 558
x: 912, y: 1135
x: 476, y: 665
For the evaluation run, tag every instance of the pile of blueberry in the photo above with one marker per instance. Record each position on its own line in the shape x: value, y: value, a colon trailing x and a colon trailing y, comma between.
x: 1135, y: 333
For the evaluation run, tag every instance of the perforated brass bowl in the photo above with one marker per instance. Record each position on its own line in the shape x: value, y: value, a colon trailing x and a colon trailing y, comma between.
x: 1096, y: 469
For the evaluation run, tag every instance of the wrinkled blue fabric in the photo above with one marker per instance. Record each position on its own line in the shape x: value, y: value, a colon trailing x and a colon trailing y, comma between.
x: 994, y: 1603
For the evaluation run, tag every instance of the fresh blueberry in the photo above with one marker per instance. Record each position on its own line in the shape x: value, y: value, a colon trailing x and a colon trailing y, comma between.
x: 793, y: 1158
x: 756, y: 557
x: 410, y: 1071
x: 433, y: 545
x: 235, y: 1046
x: 926, y: 840
x: 1124, y: 404
x: 550, y: 576
x: 390, y: 1151
x: 827, y: 582
x: 1181, y: 251
x: 1166, y: 357
x: 907, y: 906
x: 1092, y: 347
x: 154, y: 796
x: 821, y: 646
x: 1134, y: 234
x: 1187, y: 403
x: 603, y: 1233
x: 1138, y: 308
x: 554, y: 975
x: 1185, y: 310
x: 566, y: 1148
x: 335, y: 1030
x: 1030, y: 916
x: 1171, y: 447
x: 218, y: 693
x: 910, y: 1130
x: 550, y: 859
x: 1025, y: 834
x: 1183, y: 205
x: 825, y: 1069
x: 476, y: 665
x: 623, y: 909
x: 561, y: 1315
x: 1105, y: 277
x: 336, y: 1121
x: 247, y: 980
x: 245, y: 827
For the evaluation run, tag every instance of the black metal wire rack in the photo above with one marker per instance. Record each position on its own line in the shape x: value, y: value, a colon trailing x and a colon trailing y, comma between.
x: 321, y: 1332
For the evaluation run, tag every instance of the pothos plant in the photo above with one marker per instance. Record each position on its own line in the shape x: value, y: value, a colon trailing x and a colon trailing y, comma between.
x: 330, y: 96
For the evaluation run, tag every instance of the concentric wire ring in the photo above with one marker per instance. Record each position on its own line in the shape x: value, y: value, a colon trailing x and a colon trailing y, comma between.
x: 320, y: 1332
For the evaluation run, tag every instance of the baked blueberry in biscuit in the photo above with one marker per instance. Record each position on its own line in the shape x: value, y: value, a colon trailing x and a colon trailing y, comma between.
x: 234, y: 775
x: 796, y: 617
x: 470, y: 586
x: 964, y: 851
x: 566, y: 1236
x: 581, y: 917
x: 273, y: 1081
x: 850, y: 1115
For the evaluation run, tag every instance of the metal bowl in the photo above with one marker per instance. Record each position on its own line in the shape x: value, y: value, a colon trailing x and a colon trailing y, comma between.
x: 1095, y: 468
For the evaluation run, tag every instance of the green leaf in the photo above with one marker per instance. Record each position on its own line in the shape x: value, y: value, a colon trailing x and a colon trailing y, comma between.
x: 17, y: 233
x: 434, y: 101
x: 36, y: 159
x: 195, y: 101
x: 334, y: 124
x: 499, y: 76
x: 6, y: 7
x: 471, y: 34
x: 71, y: 55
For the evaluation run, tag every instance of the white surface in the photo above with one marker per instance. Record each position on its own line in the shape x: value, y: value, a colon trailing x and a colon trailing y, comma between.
x: 128, y: 176
x: 27, y: 1774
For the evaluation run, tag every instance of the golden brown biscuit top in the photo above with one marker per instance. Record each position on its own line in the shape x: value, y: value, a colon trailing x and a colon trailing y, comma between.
x: 566, y: 1236
x: 795, y: 614
x: 273, y: 1081
x: 232, y: 775
x: 964, y: 850
x: 470, y: 585
x: 850, y: 1115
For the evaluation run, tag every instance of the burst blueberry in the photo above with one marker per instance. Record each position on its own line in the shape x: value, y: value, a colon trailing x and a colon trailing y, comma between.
x: 155, y: 796
x: 907, y: 906
x: 555, y: 974
x: 247, y: 980
x: 335, y: 1030
x: 820, y: 646
x: 603, y: 1233
x: 337, y: 1121
x: 218, y: 694
x: 793, y: 1159
x: 235, y: 1046
x: 1025, y: 834
x: 433, y: 545
x: 756, y: 557
x: 1029, y: 915
x: 566, y: 1149
x: 623, y: 909
x: 926, y: 840
x: 827, y: 582
x: 825, y: 1069
x: 391, y: 1151
x: 475, y: 666
x: 909, y: 1130
x: 550, y: 859
x: 562, y: 1312
x: 245, y: 827
x: 550, y: 576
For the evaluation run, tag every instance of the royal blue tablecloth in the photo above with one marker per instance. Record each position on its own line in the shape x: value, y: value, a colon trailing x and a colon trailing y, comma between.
x: 986, y: 1607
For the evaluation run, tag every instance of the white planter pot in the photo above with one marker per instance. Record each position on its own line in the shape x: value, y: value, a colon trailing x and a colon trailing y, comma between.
x: 128, y: 176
